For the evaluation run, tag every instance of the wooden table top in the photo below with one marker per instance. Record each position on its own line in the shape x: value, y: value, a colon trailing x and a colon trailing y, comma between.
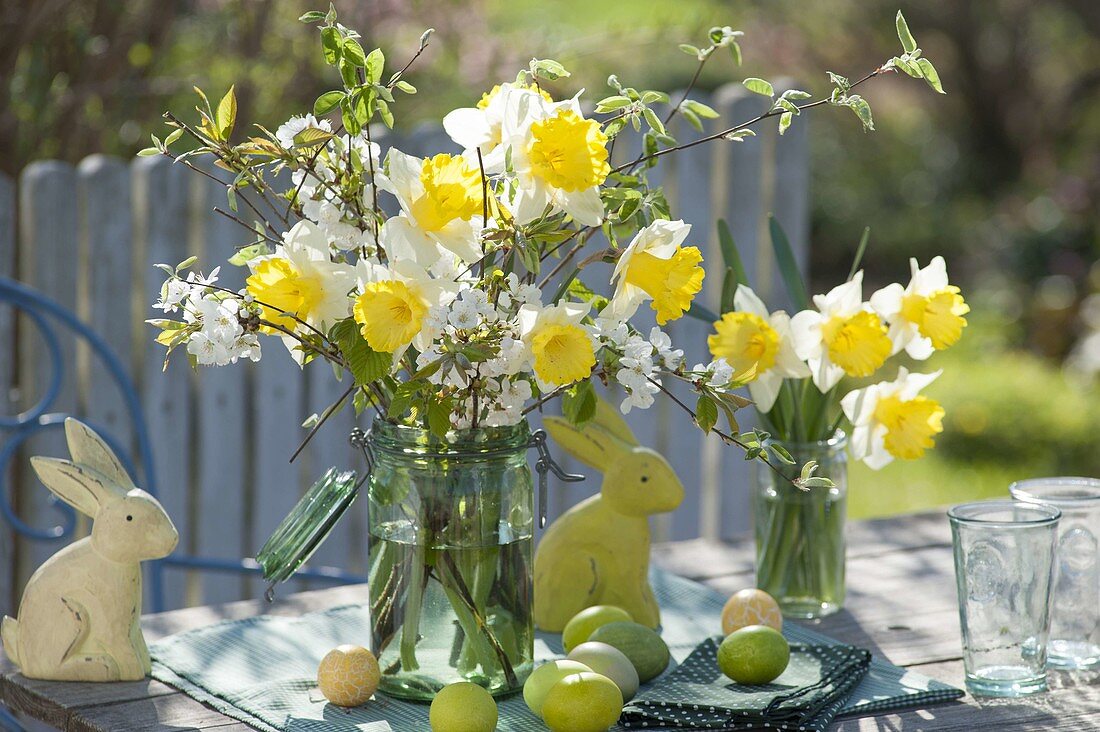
x: 901, y: 605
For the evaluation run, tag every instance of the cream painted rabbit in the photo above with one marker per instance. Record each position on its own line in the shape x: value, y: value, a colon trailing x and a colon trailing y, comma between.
x: 597, y: 553
x: 79, y: 617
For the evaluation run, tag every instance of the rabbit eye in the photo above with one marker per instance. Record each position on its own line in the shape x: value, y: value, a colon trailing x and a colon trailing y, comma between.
x: 129, y: 518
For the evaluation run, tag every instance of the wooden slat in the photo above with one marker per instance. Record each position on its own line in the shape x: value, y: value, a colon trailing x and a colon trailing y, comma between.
x: 8, y: 401
x: 221, y: 418
x: 790, y: 195
x: 277, y: 414
x: 49, y: 258
x: 103, y: 190
x: 161, y: 218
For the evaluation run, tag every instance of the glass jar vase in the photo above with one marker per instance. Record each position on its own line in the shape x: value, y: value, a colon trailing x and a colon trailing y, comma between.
x: 450, y: 545
x: 800, y: 547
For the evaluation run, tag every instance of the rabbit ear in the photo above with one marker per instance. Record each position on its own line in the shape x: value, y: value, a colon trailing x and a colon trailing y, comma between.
x: 610, y: 420
x: 89, y: 449
x: 591, y: 445
x: 82, y: 488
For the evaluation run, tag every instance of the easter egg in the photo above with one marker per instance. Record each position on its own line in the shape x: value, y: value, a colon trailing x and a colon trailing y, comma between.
x: 755, y: 654
x: 545, y: 676
x: 584, y: 702
x: 348, y: 675
x: 463, y: 707
x: 585, y: 623
x: 750, y: 607
x: 643, y: 646
x: 610, y: 662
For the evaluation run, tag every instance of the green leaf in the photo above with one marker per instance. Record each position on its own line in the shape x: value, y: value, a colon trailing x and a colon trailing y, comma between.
x: 730, y: 255
x: 365, y: 364
x: 375, y: 63
x: 907, y: 41
x: 930, y: 74
x: 311, y: 137
x: 327, y: 102
x: 690, y: 50
x: 699, y: 108
x: 246, y: 254
x: 703, y: 313
x: 353, y: 52
x: 439, y: 417
x: 313, y: 16
x: 226, y: 115
x: 759, y: 86
x: 785, y: 121
x: 788, y: 266
x: 692, y: 118
x: 739, y: 135
x: 330, y: 45
x: 706, y: 413
x: 610, y: 104
x: 653, y: 121
x: 579, y: 403
x: 173, y: 136
x: 405, y: 87
x: 729, y: 290
x: 548, y: 69
x: 146, y: 152
x: 859, y: 252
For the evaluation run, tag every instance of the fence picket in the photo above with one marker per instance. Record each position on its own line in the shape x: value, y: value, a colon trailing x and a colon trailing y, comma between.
x: 8, y: 405
x: 221, y: 421
x: 48, y: 240
x: 103, y: 191
x: 161, y: 218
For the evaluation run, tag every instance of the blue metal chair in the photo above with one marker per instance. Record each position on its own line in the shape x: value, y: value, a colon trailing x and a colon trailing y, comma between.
x: 44, y: 313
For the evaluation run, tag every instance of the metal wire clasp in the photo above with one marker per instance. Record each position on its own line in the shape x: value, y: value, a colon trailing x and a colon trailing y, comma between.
x: 361, y: 439
x: 546, y: 464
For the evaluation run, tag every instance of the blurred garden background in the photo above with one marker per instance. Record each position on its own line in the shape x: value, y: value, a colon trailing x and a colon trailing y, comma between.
x: 1001, y: 176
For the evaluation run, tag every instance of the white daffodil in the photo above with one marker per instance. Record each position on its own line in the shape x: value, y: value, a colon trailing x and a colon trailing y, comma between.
x: 296, y: 125
x: 562, y: 350
x: 559, y: 158
x: 299, y: 281
x: 656, y: 266
x: 394, y: 304
x: 752, y: 339
x: 925, y: 316
x: 891, y: 420
x: 441, y: 206
x: 481, y: 127
x: 843, y: 336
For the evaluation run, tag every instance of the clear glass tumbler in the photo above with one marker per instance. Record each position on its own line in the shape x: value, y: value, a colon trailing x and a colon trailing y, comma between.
x: 1075, y: 614
x: 1004, y: 566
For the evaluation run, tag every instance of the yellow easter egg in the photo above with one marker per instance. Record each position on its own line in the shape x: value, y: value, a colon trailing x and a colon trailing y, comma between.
x: 348, y: 675
x: 751, y: 607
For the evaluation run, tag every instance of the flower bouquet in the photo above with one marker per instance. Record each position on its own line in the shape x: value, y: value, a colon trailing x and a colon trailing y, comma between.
x: 798, y: 366
x: 449, y: 291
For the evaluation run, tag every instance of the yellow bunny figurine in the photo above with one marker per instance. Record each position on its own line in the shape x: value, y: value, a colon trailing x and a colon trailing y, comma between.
x: 597, y: 553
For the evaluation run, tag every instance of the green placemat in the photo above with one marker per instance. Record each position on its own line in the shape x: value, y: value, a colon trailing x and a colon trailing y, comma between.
x: 261, y: 670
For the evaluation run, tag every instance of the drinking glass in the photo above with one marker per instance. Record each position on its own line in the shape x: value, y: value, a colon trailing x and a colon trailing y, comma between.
x: 1004, y: 564
x: 1075, y: 613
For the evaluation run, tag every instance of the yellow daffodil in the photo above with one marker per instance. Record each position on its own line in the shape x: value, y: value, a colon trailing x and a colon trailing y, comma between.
x: 656, y: 266
x: 891, y: 420
x: 925, y: 316
x: 393, y: 305
x: 843, y: 336
x: 302, y: 281
x: 753, y: 341
x: 480, y: 127
x: 562, y: 350
x: 441, y: 205
x: 390, y: 314
x: 559, y: 157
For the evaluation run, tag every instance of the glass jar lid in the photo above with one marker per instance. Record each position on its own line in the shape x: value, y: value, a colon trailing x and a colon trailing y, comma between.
x: 307, y: 526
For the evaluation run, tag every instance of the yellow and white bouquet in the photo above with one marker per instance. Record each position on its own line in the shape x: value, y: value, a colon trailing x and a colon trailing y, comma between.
x: 451, y: 288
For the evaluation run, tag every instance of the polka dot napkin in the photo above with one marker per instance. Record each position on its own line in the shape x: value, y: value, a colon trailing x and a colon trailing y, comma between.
x: 805, y: 697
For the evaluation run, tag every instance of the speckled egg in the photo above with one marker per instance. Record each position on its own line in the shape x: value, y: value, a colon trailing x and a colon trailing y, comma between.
x: 348, y: 675
x: 751, y: 607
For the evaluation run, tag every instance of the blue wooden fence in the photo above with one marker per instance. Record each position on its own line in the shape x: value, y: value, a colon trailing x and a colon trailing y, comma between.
x: 87, y: 236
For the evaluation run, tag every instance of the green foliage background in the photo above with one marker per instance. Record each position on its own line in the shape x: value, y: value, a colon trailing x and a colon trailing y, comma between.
x: 1002, y: 176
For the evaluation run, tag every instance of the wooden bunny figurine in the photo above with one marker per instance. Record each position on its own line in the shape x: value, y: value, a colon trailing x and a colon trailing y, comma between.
x: 597, y: 553
x: 79, y: 617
